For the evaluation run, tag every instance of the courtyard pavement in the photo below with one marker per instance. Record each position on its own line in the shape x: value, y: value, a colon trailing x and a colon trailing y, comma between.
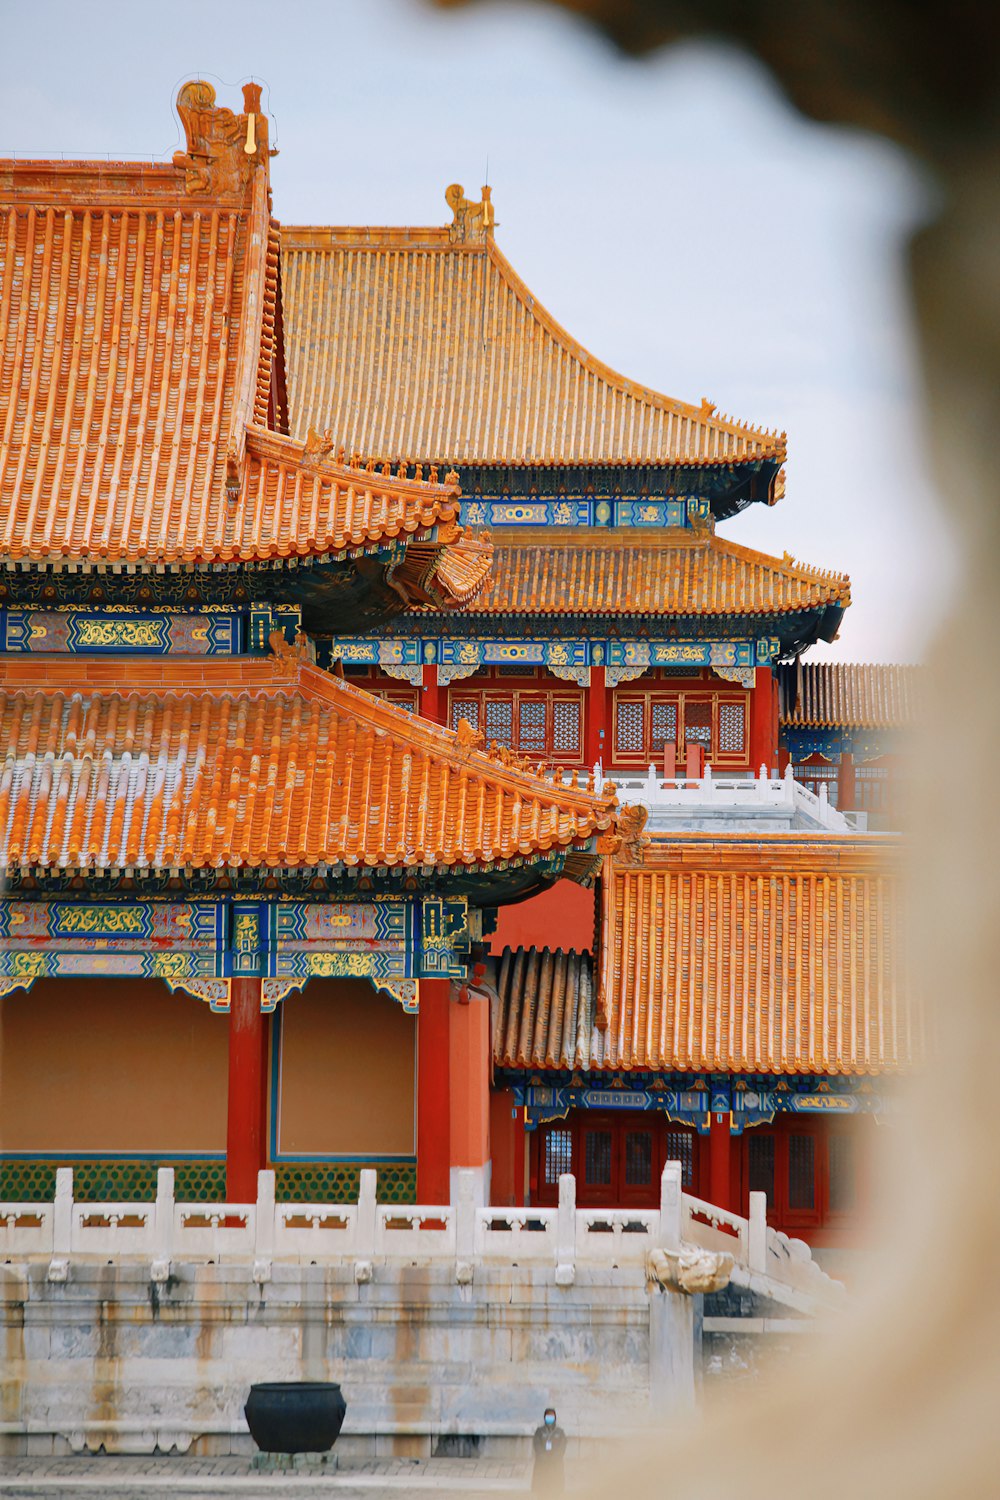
x: 230, y: 1478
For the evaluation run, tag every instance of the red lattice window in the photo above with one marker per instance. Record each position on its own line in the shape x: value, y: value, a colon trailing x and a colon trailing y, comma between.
x: 646, y: 721
x: 732, y: 728
x: 544, y: 726
x: 871, y: 788
x: 698, y: 723
x: 558, y: 1158
x: 680, y: 1147
x: 617, y: 1158
x: 817, y: 771
x: 810, y: 1169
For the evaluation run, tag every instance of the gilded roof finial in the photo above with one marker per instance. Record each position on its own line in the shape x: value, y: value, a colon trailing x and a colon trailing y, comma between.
x: 470, y: 221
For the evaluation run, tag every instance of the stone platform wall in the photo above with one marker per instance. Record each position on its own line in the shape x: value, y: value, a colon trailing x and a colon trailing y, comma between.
x: 110, y: 1358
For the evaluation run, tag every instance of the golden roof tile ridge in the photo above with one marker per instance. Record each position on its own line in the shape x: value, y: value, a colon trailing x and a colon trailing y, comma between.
x: 773, y: 443
x: 314, y: 452
x: 463, y: 750
x: 314, y: 726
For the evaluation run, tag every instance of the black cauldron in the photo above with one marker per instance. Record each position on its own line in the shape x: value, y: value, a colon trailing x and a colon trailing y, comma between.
x: 295, y: 1416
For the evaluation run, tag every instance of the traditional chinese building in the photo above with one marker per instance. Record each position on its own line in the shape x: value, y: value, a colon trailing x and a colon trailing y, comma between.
x: 342, y: 584
x: 844, y: 726
x: 192, y: 813
x: 732, y: 1000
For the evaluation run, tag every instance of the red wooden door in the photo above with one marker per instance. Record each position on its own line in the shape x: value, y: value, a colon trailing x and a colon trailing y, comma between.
x: 617, y: 1158
x: 597, y: 1163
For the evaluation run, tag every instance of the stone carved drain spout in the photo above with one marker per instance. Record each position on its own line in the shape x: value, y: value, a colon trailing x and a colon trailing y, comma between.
x: 689, y: 1269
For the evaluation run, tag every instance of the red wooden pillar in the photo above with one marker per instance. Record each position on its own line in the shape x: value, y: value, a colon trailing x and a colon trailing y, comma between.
x: 764, y: 721
x: 598, y: 746
x: 246, y: 1122
x: 433, y: 697
x: 470, y: 1087
x: 720, y: 1160
x: 507, y: 1136
x: 434, y: 1092
x: 846, y: 788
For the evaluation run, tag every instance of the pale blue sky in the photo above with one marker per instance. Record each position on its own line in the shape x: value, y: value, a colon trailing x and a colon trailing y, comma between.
x: 674, y: 214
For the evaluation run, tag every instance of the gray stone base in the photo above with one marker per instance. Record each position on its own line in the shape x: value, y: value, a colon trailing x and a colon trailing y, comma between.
x: 109, y: 1362
x: 294, y: 1463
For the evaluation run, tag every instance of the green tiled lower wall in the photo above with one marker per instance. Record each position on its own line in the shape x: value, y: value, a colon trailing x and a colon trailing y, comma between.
x: 97, y: 1181
x: 340, y: 1182
x: 101, y: 1181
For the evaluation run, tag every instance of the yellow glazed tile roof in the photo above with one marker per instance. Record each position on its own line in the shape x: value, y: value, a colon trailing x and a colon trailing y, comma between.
x: 425, y: 345
x: 678, y: 572
x: 141, y: 367
x: 851, y: 695
x: 167, y: 762
x: 735, y: 956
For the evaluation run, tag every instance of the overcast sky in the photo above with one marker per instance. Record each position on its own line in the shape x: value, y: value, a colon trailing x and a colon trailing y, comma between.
x: 674, y: 214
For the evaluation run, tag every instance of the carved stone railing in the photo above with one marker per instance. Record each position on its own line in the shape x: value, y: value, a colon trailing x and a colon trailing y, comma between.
x: 458, y: 1237
x: 721, y: 796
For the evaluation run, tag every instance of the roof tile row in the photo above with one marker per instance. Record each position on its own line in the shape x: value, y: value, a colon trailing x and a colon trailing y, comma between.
x: 726, y: 956
x: 679, y: 572
x: 266, y: 762
x: 408, y: 344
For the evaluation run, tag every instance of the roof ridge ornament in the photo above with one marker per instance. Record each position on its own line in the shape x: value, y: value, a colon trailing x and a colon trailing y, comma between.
x: 471, y: 222
x: 223, y: 149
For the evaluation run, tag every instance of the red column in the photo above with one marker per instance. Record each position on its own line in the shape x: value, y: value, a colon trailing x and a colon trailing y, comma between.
x: 470, y: 1085
x: 246, y: 1124
x: 433, y: 697
x: 597, y: 747
x: 719, y: 1160
x: 845, y: 783
x: 764, y: 721
x: 506, y: 1150
x: 434, y: 1092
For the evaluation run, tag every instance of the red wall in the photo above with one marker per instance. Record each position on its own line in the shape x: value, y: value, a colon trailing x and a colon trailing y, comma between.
x: 561, y: 917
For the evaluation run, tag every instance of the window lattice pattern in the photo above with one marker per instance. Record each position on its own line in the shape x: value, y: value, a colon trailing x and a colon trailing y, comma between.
x: 566, y: 728
x: 468, y: 709
x: 680, y: 1147
x: 629, y: 736
x: 638, y: 1158
x: 698, y: 724
x: 537, y: 724
x: 664, y: 725
x: 760, y: 1162
x: 500, y: 721
x: 531, y: 726
x: 813, y: 777
x: 872, y: 788
x: 732, y: 728
x: 801, y: 1171
x: 558, y: 1155
x: 597, y: 1158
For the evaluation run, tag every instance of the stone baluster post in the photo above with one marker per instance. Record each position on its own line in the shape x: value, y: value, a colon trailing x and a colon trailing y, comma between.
x: 163, y: 1225
x: 670, y: 1206
x: 364, y: 1249
x: 757, y: 1238
x: 566, y: 1231
x: 465, y: 1227
x: 62, y: 1225
x: 263, y: 1250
